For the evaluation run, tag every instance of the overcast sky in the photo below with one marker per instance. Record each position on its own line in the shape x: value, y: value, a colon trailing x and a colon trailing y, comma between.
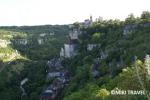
x: 41, y: 12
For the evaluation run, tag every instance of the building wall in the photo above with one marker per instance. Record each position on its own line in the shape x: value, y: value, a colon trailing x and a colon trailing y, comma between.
x: 62, y: 52
x: 68, y: 50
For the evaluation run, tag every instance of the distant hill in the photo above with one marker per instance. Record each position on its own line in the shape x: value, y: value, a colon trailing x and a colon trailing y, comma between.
x: 63, y: 29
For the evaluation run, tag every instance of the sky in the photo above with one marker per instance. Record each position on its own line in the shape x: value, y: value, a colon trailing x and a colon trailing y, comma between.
x: 42, y: 12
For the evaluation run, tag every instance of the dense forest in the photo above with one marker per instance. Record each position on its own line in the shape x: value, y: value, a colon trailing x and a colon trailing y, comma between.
x: 118, y: 61
x: 23, y: 53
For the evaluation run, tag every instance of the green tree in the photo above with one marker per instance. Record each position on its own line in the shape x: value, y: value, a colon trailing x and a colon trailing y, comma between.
x: 130, y: 19
x: 96, y: 37
x: 145, y: 15
x: 102, y: 93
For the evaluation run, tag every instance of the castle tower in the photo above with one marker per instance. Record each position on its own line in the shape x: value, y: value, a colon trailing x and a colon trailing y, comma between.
x: 70, y: 48
x: 91, y: 19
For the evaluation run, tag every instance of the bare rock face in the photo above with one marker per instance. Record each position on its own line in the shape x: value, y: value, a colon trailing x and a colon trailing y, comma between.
x: 21, y: 41
x: 4, y: 43
x: 129, y: 29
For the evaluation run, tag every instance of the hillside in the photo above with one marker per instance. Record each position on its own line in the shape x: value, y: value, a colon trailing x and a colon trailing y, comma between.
x: 115, y: 61
x: 92, y: 62
x: 23, y: 53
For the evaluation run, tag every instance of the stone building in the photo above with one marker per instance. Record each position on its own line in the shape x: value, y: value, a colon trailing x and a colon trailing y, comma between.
x: 147, y: 65
x: 40, y: 41
x: 61, y: 78
x: 70, y: 48
x: 88, y: 22
x: 92, y: 46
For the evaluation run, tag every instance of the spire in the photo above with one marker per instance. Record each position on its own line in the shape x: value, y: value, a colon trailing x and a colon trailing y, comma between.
x: 91, y: 18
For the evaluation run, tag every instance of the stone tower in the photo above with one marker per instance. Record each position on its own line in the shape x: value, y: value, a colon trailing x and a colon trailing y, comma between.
x: 70, y: 48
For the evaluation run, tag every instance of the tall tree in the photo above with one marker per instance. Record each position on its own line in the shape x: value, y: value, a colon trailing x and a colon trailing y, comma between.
x: 145, y: 15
